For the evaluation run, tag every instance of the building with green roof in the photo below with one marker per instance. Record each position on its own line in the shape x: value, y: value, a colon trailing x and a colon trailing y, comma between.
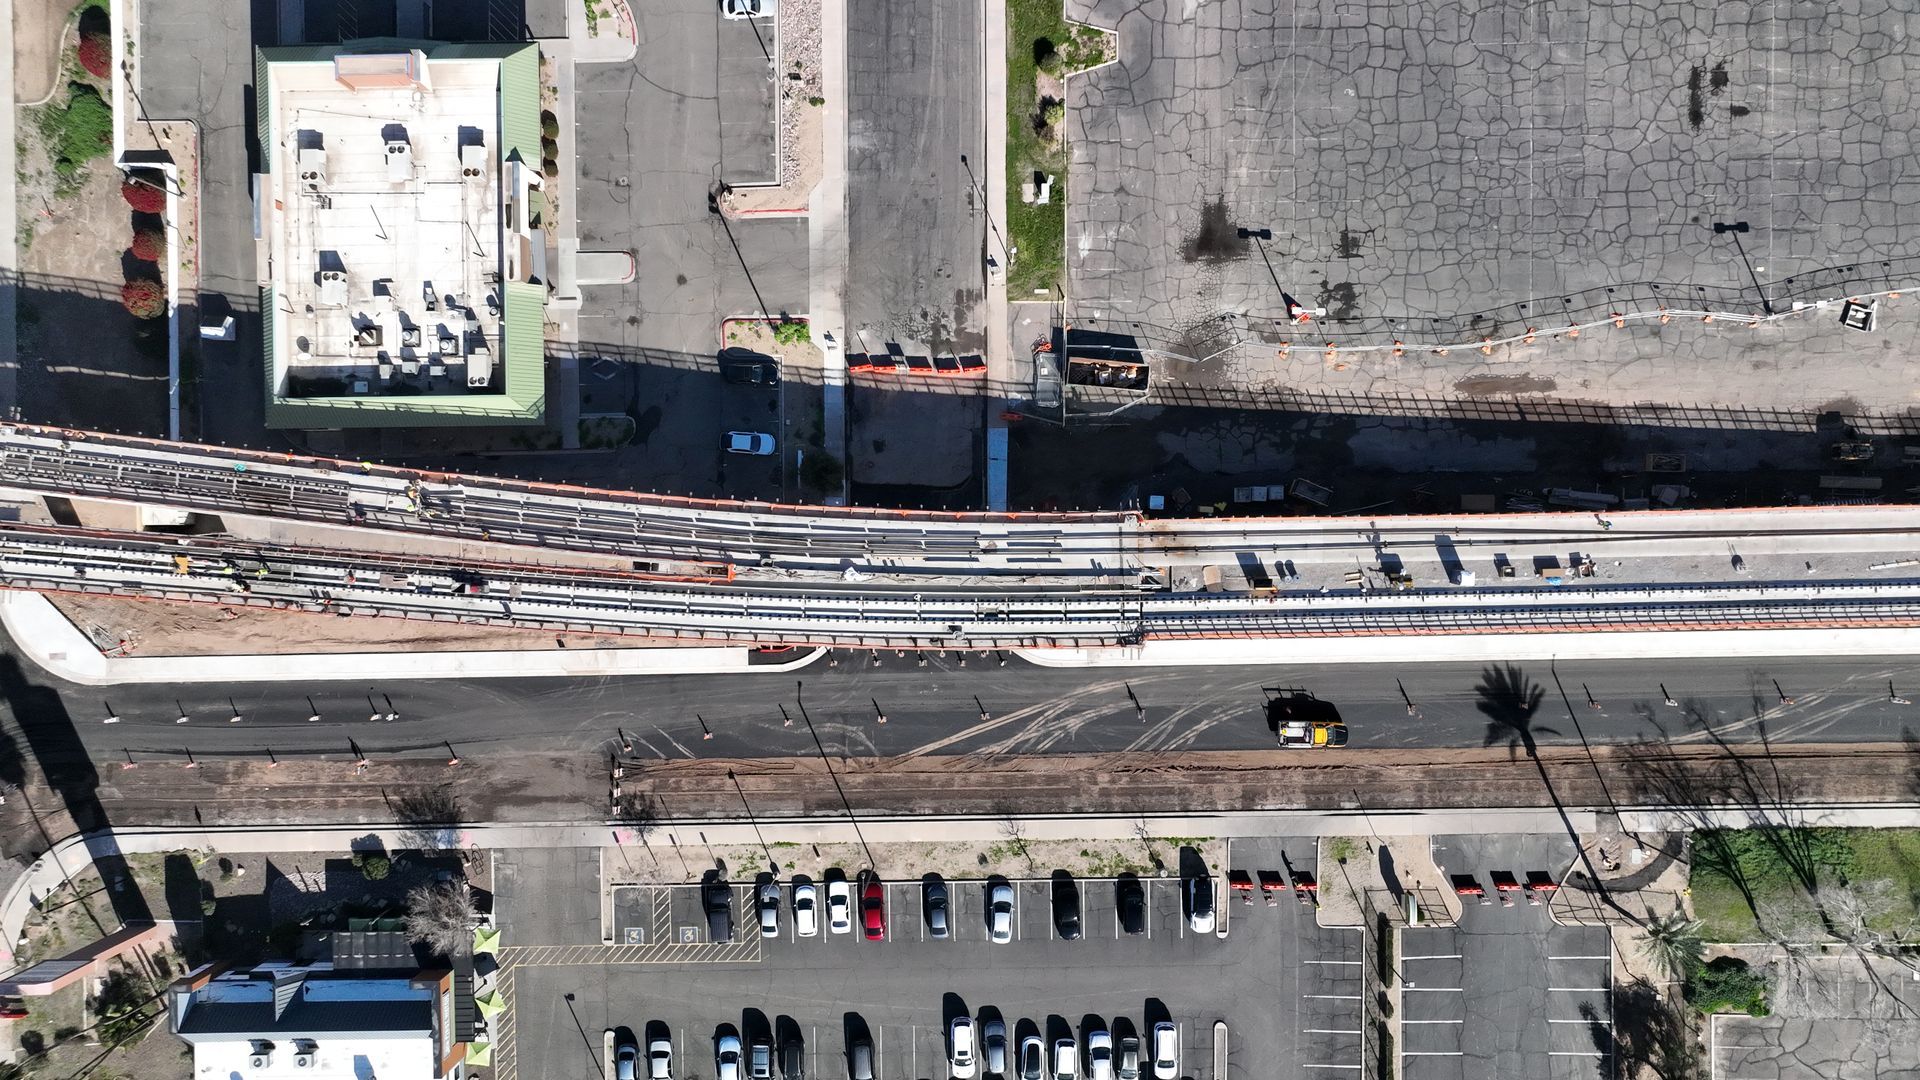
x: 401, y: 211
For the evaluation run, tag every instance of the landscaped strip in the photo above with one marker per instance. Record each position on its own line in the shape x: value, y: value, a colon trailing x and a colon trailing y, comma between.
x: 1042, y: 49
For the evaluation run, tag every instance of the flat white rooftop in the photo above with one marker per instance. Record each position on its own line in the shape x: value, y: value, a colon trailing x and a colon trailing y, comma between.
x: 387, y: 266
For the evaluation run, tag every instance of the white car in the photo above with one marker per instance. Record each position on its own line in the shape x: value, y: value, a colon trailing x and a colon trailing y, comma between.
x: 1166, y: 1051
x: 1066, y: 1060
x: 806, y: 917
x: 1000, y: 913
x: 960, y: 1057
x: 756, y: 443
x: 660, y: 1059
x: 726, y: 1057
x: 746, y: 9
x: 1099, y: 1055
x: 840, y: 906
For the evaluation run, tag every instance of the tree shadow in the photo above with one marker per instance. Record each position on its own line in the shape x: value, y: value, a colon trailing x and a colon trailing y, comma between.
x: 1649, y: 1036
x: 70, y: 772
x: 1510, y: 701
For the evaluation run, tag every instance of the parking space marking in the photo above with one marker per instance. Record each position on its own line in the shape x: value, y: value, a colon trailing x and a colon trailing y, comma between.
x: 745, y: 951
x: 1334, y: 997
x: 1354, y: 963
x: 1405, y: 1022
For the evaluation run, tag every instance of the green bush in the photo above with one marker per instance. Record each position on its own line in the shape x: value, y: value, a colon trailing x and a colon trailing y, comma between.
x: 1053, y: 113
x: 373, y: 865
x: 1727, y: 984
x: 791, y: 332
x: 549, y: 125
x: 78, y: 133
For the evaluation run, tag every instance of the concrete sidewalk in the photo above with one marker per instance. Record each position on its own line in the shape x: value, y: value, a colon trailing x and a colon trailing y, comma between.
x: 50, y: 640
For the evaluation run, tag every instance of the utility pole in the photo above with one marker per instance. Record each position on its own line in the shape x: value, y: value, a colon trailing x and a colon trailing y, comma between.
x: 828, y: 762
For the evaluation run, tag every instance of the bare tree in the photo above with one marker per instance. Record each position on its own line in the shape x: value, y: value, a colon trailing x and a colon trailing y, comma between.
x: 1015, y: 830
x: 431, y: 817
x: 440, y: 916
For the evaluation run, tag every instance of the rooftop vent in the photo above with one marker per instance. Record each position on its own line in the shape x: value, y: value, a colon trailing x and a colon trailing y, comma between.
x: 312, y: 166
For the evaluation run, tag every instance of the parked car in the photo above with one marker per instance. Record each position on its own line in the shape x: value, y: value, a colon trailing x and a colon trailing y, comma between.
x: 1127, y: 1061
x: 806, y: 913
x: 660, y: 1059
x: 1312, y: 734
x: 934, y: 893
x: 767, y: 900
x: 750, y: 372
x: 746, y: 9
x: 1130, y: 898
x: 726, y: 1057
x: 1166, y: 1051
x: 1033, y: 1058
x: 1200, y: 903
x: 760, y: 1060
x: 839, y: 906
x: 716, y: 896
x: 860, y: 1058
x: 993, y: 1046
x: 757, y: 443
x: 873, y: 909
x: 626, y: 1060
x: 1066, y: 1060
x: 793, y: 1060
x: 1000, y: 912
x: 960, y: 1048
x: 1099, y: 1054
x: 1066, y: 906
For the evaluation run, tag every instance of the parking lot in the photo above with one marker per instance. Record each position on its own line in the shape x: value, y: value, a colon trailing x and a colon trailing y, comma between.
x: 1287, y: 989
x: 1506, y: 993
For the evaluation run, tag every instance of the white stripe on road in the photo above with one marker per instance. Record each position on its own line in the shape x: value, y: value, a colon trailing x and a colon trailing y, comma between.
x: 1435, y: 956
x: 1355, y: 963
x: 1432, y: 1053
x: 1431, y: 989
x: 1406, y: 1022
x: 1578, y: 989
x: 1576, y: 1053
x: 1596, y: 1020
x: 1579, y: 957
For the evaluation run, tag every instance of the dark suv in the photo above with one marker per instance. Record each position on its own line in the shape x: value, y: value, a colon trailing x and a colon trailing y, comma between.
x: 1066, y: 906
x: 716, y: 896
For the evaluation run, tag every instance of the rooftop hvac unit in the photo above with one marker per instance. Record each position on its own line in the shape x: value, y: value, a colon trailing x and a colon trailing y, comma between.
x: 473, y: 161
x: 399, y: 162
x: 312, y: 166
x: 303, y: 1061
x: 259, y: 1061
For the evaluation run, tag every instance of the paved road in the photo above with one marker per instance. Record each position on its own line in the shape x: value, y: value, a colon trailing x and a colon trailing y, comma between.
x: 937, y: 709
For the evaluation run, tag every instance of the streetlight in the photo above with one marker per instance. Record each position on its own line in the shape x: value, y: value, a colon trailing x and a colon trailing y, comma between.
x: 1736, y: 228
x: 764, y: 850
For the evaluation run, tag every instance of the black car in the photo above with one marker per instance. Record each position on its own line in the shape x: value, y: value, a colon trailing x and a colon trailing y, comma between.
x: 793, y: 1060
x: 751, y: 374
x: 716, y: 896
x: 1130, y: 897
x: 1066, y: 906
x: 934, y: 888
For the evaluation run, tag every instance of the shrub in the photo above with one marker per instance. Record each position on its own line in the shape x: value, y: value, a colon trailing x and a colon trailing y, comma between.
x: 209, y: 905
x: 96, y: 55
x: 549, y: 125
x: 1053, y: 113
x: 80, y: 132
x: 144, y: 194
x: 816, y: 100
x: 144, y: 299
x: 373, y: 865
x: 549, y: 149
x: 149, y: 244
x: 551, y: 168
x: 1727, y: 984
x: 791, y: 332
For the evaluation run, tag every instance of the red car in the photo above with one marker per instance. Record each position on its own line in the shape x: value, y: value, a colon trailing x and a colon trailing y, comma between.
x: 873, y: 908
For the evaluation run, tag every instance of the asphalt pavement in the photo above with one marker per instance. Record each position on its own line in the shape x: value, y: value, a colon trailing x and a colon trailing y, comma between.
x: 945, y: 708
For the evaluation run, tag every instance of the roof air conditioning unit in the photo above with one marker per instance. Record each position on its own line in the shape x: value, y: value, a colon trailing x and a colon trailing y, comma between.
x: 259, y: 1061
x: 303, y: 1061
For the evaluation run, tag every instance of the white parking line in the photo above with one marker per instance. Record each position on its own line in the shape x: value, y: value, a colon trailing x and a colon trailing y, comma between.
x: 1589, y: 1023
x: 1148, y: 889
x: 1578, y: 989
x: 1432, y: 1053
x: 1406, y: 1022
x: 1579, y: 957
x: 1576, y: 1053
x: 1355, y: 963
x: 1431, y: 989
x: 879, y: 1049
x: 1434, y: 956
x: 1355, y: 1068
x: 913, y: 1048
x: 1333, y: 997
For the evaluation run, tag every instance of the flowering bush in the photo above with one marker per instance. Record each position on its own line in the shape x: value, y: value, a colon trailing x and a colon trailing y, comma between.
x: 96, y: 55
x: 149, y: 244
x: 144, y: 197
x: 144, y: 299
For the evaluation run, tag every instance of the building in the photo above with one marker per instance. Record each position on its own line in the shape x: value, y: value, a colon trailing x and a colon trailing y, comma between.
x: 400, y: 208
x: 318, y: 1021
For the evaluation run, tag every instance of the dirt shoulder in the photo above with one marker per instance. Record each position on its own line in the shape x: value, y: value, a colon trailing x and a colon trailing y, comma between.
x: 154, y: 628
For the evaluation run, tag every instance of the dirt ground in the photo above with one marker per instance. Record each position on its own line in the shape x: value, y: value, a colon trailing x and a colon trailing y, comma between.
x: 73, y: 242
x: 39, y: 30
x: 156, y: 628
x: 1004, y: 852
x: 1241, y: 781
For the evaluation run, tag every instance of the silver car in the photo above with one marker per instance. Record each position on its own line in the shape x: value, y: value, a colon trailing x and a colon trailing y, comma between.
x: 1099, y: 1055
x: 726, y: 1057
x: 1066, y: 1060
x: 1166, y: 1051
x: 660, y: 1059
x: 1000, y: 913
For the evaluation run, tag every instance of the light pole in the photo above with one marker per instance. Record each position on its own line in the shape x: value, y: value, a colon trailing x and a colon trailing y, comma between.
x: 764, y: 850
x: 1736, y: 228
x: 713, y: 207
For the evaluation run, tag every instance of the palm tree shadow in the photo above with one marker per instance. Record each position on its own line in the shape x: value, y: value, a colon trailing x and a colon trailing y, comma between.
x: 1510, y: 702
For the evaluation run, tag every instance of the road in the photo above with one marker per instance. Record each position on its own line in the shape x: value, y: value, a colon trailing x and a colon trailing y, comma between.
x: 938, y: 709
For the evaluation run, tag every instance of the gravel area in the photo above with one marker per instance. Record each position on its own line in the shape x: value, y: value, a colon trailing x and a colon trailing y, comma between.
x: 799, y: 30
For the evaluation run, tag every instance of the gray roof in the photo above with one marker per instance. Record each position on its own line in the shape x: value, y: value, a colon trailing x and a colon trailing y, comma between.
x: 303, y: 1017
